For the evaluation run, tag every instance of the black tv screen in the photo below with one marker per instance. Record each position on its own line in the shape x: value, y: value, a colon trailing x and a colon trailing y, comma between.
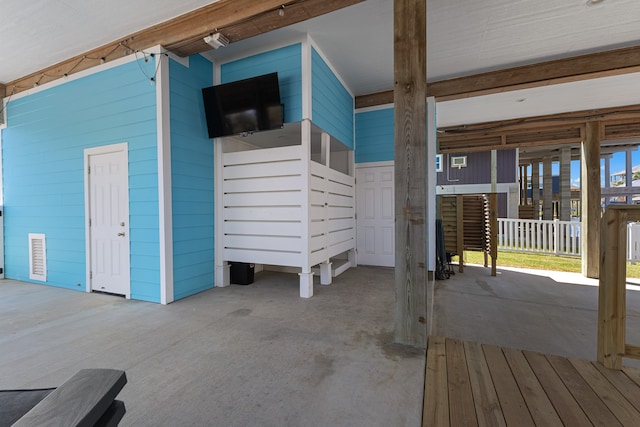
x: 243, y: 106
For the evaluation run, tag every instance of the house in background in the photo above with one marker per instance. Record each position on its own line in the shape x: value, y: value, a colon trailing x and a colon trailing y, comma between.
x: 470, y: 173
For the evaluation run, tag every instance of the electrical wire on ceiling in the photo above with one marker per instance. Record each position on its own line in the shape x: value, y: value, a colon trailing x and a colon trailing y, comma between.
x: 280, y: 10
x: 102, y: 60
x: 2, y: 104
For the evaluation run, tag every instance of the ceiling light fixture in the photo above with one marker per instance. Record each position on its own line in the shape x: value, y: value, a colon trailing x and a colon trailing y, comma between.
x: 281, y: 11
x: 216, y: 40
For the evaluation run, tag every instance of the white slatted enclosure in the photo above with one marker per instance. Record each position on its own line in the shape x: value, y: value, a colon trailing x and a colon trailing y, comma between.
x: 282, y: 208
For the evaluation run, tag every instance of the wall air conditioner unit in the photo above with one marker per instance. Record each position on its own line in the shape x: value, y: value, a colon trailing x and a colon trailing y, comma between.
x: 459, y: 162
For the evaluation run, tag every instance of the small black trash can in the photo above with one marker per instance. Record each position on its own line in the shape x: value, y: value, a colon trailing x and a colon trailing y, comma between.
x: 242, y: 273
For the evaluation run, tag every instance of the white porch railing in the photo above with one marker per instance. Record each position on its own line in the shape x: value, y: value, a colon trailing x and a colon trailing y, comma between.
x: 554, y: 237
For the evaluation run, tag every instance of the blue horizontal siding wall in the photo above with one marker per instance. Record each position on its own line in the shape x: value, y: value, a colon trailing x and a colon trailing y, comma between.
x: 43, y: 161
x: 332, y: 105
x: 374, y: 136
x: 191, y: 178
x: 287, y: 62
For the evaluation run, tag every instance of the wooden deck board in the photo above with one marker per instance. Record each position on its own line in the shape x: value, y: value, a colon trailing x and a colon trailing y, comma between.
x: 568, y: 409
x: 540, y: 407
x: 461, y: 407
x: 486, y: 401
x: 513, y: 405
x: 436, y: 403
x: 476, y: 384
x: 588, y: 400
x: 623, y: 383
x: 610, y: 396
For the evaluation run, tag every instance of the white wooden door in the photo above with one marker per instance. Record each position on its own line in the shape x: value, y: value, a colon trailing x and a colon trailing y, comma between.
x: 109, y: 222
x: 375, y: 216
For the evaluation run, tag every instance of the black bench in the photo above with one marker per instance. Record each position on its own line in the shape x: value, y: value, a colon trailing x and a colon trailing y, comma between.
x: 85, y: 399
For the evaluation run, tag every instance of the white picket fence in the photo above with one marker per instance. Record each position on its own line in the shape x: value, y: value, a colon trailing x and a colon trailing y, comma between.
x: 554, y: 237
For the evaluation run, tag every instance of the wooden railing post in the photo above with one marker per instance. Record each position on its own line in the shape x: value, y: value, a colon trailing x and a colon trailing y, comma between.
x: 611, y: 292
x: 613, y: 285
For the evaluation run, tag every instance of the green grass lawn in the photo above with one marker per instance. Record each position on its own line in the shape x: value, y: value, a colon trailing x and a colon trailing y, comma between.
x: 538, y: 261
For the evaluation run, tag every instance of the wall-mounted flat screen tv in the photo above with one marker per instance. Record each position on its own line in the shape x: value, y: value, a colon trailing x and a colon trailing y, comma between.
x: 243, y: 106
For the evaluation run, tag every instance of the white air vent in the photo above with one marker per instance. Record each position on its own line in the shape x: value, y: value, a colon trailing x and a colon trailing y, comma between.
x: 459, y: 162
x: 37, y: 257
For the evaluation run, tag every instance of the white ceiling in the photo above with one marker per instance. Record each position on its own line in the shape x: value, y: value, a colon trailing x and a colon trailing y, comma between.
x: 464, y: 37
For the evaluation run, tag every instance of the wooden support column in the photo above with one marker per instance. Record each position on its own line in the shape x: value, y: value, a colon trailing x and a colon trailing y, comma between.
x: 525, y: 184
x: 590, y: 199
x: 410, y: 117
x: 607, y: 175
x: 535, y: 188
x: 629, y: 175
x: 494, y: 171
x: 521, y: 184
x: 565, y: 184
x: 547, y: 189
x: 612, y: 287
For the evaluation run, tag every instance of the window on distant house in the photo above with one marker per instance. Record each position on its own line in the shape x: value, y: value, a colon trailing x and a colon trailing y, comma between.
x: 438, y: 162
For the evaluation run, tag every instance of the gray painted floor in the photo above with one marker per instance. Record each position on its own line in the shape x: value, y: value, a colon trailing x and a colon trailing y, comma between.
x: 544, y: 311
x: 235, y: 356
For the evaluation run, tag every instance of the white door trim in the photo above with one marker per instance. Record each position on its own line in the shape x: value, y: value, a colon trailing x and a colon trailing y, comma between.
x: 105, y: 149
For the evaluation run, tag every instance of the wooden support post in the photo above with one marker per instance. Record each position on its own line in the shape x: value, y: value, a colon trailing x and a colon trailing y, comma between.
x: 460, y: 231
x: 607, y: 175
x: 590, y: 199
x: 493, y: 224
x: 565, y: 184
x: 521, y: 184
x: 535, y: 188
x: 547, y: 189
x: 611, y: 292
x: 628, y: 175
x: 525, y: 196
x: 410, y: 117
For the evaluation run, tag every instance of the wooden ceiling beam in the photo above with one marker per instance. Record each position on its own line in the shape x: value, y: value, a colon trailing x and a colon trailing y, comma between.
x: 241, y: 19
x: 293, y: 12
x: 374, y: 99
x: 583, y: 67
x: 568, y: 128
x: 623, y: 114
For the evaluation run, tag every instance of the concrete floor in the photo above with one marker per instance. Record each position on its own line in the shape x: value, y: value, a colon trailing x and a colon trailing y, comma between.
x: 235, y: 356
x: 259, y: 355
x: 544, y: 311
